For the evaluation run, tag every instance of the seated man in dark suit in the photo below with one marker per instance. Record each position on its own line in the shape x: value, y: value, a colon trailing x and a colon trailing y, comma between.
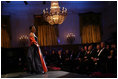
x: 47, y: 57
x: 102, y: 58
x: 67, y: 60
x: 80, y: 59
x: 94, y: 57
x: 60, y: 58
x: 53, y: 58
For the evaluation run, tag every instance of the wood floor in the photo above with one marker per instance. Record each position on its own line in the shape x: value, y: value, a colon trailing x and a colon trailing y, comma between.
x: 49, y: 74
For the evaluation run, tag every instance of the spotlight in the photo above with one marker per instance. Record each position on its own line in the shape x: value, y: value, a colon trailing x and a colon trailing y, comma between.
x: 25, y: 2
x: 8, y: 1
x: 44, y: 2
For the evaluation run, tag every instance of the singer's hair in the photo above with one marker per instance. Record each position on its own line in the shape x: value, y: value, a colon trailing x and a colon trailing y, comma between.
x: 31, y: 27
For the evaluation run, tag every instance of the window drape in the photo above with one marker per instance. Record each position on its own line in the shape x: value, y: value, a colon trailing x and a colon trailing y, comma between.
x: 90, y: 27
x: 90, y: 34
x: 5, y: 31
x: 47, y: 34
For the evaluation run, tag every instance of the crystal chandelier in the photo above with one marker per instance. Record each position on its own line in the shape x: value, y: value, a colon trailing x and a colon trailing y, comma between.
x: 55, y: 16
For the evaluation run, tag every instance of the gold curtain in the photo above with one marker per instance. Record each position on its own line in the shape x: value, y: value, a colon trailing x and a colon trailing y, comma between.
x: 5, y: 40
x: 47, y: 34
x: 5, y: 32
x: 90, y: 34
x: 90, y: 27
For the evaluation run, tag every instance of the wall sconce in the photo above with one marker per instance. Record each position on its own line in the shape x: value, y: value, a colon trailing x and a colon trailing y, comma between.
x: 23, y: 40
x: 22, y: 37
x: 70, y: 38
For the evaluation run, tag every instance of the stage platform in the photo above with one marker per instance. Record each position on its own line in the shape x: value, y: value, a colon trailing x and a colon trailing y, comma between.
x: 49, y: 74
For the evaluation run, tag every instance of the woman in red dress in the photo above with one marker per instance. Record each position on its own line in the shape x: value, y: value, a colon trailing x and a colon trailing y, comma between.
x: 36, y: 63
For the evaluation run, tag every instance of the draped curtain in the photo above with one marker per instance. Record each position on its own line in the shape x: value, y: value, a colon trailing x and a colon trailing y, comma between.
x: 91, y: 34
x: 47, y: 34
x: 5, y: 32
x: 90, y: 27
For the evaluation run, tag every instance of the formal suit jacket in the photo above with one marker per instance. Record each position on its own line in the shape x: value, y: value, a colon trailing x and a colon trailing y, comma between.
x: 103, y: 55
